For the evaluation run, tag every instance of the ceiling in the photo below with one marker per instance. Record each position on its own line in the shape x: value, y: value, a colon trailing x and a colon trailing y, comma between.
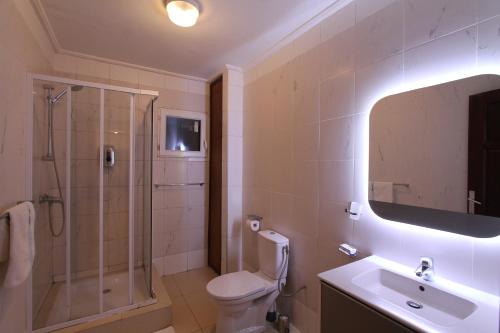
x: 139, y: 32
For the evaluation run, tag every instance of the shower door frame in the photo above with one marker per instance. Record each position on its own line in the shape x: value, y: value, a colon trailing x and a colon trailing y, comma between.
x: 31, y: 78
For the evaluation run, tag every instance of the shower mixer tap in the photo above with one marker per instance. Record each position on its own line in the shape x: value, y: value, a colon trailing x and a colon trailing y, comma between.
x: 49, y: 198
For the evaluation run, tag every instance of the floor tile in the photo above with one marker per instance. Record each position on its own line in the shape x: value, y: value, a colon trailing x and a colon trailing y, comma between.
x: 194, y: 281
x: 183, y: 319
x: 204, y: 309
x: 171, y: 286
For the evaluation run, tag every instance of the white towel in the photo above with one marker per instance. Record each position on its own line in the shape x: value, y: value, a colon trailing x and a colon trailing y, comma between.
x: 383, y: 191
x: 22, y: 244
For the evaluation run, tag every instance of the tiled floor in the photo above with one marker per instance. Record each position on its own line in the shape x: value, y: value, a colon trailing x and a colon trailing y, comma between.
x: 193, y: 309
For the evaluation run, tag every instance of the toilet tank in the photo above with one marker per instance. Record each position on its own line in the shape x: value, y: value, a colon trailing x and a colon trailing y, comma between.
x: 271, y: 254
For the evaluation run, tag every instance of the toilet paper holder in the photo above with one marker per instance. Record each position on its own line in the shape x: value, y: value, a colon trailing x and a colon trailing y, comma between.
x: 254, y: 222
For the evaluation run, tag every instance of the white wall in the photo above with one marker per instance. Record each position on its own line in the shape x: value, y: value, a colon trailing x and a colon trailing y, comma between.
x: 306, y: 112
x: 20, y: 53
x: 232, y: 169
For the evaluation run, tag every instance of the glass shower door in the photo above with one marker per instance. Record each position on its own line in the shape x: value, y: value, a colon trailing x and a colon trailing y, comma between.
x: 83, y: 226
x: 118, y: 200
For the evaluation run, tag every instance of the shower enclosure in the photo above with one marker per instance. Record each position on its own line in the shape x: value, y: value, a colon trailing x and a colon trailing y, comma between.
x: 91, y: 169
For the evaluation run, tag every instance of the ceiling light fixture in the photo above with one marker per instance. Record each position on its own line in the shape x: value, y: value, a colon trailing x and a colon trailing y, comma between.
x: 183, y: 13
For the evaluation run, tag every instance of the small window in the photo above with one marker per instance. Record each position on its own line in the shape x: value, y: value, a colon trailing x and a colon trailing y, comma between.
x: 182, y: 133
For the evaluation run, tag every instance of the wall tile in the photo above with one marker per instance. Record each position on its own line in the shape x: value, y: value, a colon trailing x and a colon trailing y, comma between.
x: 489, y: 44
x: 366, y: 8
x: 487, y: 9
x: 337, y: 96
x: 380, y: 35
x: 338, y: 54
x: 378, y: 80
x: 432, y: 61
x: 336, y: 139
x: 338, y: 22
x: 336, y: 181
x: 175, y: 263
x: 427, y: 20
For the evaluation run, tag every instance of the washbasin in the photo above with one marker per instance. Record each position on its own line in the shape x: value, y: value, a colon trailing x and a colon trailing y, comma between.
x: 394, y: 290
x: 425, y: 301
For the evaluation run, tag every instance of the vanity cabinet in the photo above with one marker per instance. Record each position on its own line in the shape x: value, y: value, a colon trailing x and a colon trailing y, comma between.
x: 342, y: 313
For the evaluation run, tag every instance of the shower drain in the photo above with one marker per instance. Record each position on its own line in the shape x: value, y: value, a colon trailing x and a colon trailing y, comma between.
x: 415, y: 305
x: 106, y: 291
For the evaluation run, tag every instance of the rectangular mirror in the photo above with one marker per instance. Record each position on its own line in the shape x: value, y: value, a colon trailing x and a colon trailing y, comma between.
x: 435, y: 157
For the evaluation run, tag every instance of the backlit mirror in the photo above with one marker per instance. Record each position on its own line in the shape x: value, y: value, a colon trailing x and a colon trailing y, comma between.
x: 435, y: 157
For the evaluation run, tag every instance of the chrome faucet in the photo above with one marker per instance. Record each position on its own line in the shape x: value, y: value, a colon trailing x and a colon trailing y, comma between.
x: 426, y: 269
x: 50, y: 199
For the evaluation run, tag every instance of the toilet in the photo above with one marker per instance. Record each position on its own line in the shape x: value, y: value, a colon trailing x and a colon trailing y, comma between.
x: 243, y: 298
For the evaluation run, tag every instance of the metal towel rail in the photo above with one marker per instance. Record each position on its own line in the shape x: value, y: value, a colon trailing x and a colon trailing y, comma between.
x: 178, y: 184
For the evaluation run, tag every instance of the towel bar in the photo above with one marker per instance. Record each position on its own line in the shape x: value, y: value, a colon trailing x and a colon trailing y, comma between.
x: 6, y: 216
x: 178, y: 184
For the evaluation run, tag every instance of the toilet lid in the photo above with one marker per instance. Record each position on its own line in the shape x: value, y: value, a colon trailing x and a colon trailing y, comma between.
x: 235, y: 285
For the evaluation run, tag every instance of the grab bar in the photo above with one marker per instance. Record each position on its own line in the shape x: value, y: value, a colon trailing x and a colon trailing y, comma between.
x: 178, y: 184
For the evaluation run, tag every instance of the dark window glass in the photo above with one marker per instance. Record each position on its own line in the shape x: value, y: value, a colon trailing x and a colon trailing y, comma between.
x: 183, y: 134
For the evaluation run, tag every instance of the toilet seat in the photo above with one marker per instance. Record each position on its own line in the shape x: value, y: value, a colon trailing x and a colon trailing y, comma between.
x: 237, y: 286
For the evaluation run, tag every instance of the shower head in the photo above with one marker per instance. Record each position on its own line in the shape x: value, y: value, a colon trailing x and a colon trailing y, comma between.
x: 62, y: 93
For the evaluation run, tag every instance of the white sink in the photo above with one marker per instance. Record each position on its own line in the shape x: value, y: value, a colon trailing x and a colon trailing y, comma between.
x: 438, y: 306
x: 425, y: 301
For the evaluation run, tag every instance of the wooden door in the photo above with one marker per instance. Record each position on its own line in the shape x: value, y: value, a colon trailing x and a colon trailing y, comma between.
x: 215, y: 180
x: 484, y: 153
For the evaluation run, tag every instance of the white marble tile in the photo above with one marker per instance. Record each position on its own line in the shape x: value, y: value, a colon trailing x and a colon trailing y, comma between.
x: 158, y: 264
x: 366, y: 8
x: 378, y: 80
x: 336, y: 181
x: 151, y: 79
x: 235, y: 161
x: 336, y: 139
x: 338, y: 54
x: 197, y: 87
x: 234, y: 125
x: 487, y: 9
x: 175, y: 263
x: 175, y: 171
x: 372, y: 235
x: 344, y: 19
x: 489, y: 44
x: 235, y: 77
x: 337, y: 96
x: 175, y: 83
x: 196, y: 172
x: 307, y: 41
x: 197, y: 259
x: 428, y: 20
x: 380, y: 35
x: 446, y: 58
x: 124, y: 74
x: 234, y: 211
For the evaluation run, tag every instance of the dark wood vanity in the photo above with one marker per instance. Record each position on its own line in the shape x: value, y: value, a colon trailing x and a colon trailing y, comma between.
x: 343, y: 313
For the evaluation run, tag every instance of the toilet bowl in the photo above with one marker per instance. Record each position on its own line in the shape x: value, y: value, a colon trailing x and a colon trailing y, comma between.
x: 243, y: 298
